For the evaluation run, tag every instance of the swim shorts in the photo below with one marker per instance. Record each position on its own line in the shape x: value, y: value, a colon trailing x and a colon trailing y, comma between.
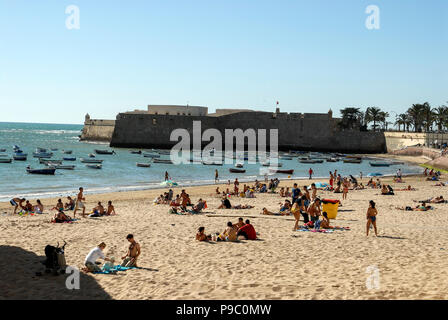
x: 13, y: 203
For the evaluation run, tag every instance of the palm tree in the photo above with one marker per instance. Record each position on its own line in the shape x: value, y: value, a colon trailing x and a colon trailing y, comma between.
x: 417, y: 117
x: 350, y: 117
x: 374, y: 115
x: 428, y: 116
x: 440, y: 117
x: 383, y: 119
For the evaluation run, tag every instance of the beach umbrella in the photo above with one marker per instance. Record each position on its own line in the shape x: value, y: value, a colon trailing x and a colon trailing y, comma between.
x: 375, y: 174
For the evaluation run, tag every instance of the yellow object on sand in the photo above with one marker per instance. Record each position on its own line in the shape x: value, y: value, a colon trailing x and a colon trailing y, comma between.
x: 331, y: 209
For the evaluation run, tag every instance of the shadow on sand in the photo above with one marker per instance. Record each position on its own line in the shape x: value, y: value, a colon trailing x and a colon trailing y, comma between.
x: 19, y: 279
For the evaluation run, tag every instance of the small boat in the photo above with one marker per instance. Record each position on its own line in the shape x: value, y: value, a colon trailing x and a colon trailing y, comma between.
x: 291, y: 171
x: 44, y: 161
x: 285, y: 158
x: 143, y: 165
x: 15, y: 148
x: 94, y: 166
x: 164, y: 152
x: 332, y: 160
x: 396, y: 163
x: 41, y: 171
x: 91, y: 155
x: 239, y: 165
x: 205, y: 163
x: 54, y: 149
x: 42, y: 155
x: 353, y: 160
x: 85, y: 160
x: 19, y: 157
x: 60, y: 166
x: 233, y: 170
x: 267, y: 164
x: 98, y: 151
x: 162, y: 161
x: 136, y: 152
x: 151, y: 155
x: 311, y: 161
x: 2, y: 150
x: 379, y: 164
x: 69, y: 158
x: 67, y: 151
x: 5, y: 160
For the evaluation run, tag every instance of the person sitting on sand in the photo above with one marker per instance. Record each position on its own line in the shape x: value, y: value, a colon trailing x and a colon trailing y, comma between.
x: 282, y: 192
x: 325, y: 222
x: 176, y: 202
x: 225, y: 203
x: 130, y: 259
x: 198, y: 207
x: 95, y: 254
x: 217, y: 191
x: 201, y: 236
x: 98, y: 211
x: 287, y: 192
x: 247, y: 232
x: 229, y: 234
x: 314, y: 210
x: 239, y: 224
x: 285, y: 207
x: 70, y: 205
x: 39, y: 208
x: 360, y: 187
x: 110, y: 209
x: 384, y: 190
x: 371, y: 217
x: 249, y: 193
x: 28, y: 207
x: 59, y: 206
x: 16, y: 203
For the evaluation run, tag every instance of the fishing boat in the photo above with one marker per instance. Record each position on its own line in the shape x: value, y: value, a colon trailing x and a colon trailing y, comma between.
x: 20, y: 157
x: 162, y: 161
x: 41, y: 171
x: 54, y: 149
x: 94, y: 166
x: 233, y: 170
x: 98, y: 151
x: 151, y: 155
x: 67, y: 151
x: 5, y: 160
x: 84, y: 160
x: 60, y: 166
x: 143, y: 165
x: 44, y: 161
x: 352, y: 160
x: 69, y: 158
x: 379, y: 164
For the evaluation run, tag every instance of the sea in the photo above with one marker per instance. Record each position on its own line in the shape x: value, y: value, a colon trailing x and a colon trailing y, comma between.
x: 120, y: 173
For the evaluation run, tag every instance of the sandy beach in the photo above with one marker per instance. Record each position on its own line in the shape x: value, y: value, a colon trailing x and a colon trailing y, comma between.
x: 410, y: 253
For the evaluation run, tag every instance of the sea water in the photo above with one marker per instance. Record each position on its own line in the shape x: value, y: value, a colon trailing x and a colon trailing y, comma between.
x: 119, y: 171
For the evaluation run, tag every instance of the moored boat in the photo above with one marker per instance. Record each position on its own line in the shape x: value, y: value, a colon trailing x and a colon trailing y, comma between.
x: 291, y: 171
x: 67, y: 151
x: 143, y: 165
x: 379, y: 164
x: 151, y: 155
x: 99, y: 151
x: 44, y: 161
x: 85, y: 160
x: 162, y: 161
x: 60, y: 166
x: 69, y: 158
x: 5, y: 160
x: 49, y: 171
x: 233, y: 170
x: 94, y: 166
x: 19, y: 157
x: 352, y: 160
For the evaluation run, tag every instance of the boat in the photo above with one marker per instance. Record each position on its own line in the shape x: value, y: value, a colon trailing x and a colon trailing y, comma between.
x: 352, y: 160
x: 85, y: 160
x: 162, y: 161
x: 44, y: 161
x: 164, y: 152
x: 54, y: 149
x: 151, y: 155
x: 15, y: 148
x: 60, y: 166
x: 2, y: 150
x: 205, y: 163
x: 5, y: 160
x: 42, y: 155
x: 291, y: 171
x: 98, y: 151
x: 67, y: 151
x: 285, y: 158
x: 233, y: 170
x: 41, y: 171
x: 332, y: 160
x: 396, y: 163
x: 311, y: 160
x: 19, y: 157
x: 94, y: 166
x: 69, y: 158
x: 239, y: 165
x: 143, y: 165
x: 379, y: 164
x: 91, y: 155
x: 136, y: 152
x: 267, y: 164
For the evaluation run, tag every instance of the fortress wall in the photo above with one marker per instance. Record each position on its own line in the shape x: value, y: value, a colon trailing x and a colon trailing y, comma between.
x: 153, y: 131
x: 98, y: 130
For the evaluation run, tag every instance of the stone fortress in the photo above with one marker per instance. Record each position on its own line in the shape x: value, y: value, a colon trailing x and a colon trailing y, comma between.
x: 152, y: 128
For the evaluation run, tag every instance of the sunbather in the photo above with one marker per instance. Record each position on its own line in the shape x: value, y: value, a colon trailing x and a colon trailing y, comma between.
x: 201, y: 236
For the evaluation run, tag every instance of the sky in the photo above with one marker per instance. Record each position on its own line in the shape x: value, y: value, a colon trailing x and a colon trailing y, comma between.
x: 309, y: 56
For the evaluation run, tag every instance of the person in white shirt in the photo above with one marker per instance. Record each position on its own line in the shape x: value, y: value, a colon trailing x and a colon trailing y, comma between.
x: 95, y: 254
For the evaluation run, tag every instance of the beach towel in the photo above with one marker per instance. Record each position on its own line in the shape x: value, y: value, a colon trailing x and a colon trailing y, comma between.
x: 114, y: 269
x: 316, y: 230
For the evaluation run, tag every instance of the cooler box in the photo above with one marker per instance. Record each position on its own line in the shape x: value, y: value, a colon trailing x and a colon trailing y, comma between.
x: 330, y: 206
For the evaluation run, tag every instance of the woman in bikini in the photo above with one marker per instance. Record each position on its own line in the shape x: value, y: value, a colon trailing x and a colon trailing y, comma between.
x: 371, y: 217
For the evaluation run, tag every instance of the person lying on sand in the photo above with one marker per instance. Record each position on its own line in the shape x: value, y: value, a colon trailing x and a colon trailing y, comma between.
x: 16, y: 203
x: 438, y: 199
x: 201, y: 236
x: 441, y: 184
x: 70, y: 205
x: 95, y: 254
x: 409, y: 188
x: 60, y: 217
x: 130, y: 259
x: 420, y: 207
x: 242, y: 206
x: 270, y: 213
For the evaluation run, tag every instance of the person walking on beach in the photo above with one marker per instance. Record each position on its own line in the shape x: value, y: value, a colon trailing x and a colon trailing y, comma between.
x: 167, y: 176
x: 130, y: 259
x: 311, y: 173
x: 216, y: 176
x: 79, y: 203
x: 371, y: 217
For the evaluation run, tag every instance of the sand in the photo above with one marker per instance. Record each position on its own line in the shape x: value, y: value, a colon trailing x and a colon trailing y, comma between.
x: 410, y: 253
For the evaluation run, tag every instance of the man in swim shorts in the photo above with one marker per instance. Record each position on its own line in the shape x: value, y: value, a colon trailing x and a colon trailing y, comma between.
x: 79, y: 203
x: 16, y: 203
x: 130, y: 259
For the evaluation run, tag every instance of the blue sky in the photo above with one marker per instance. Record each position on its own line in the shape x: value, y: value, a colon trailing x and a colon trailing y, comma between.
x: 308, y: 55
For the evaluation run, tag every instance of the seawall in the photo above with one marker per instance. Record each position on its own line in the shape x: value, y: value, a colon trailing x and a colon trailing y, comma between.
x: 295, y: 131
x: 98, y: 130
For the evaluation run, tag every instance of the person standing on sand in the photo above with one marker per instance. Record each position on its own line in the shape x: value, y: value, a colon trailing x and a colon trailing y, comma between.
x: 331, y: 179
x: 79, y: 203
x: 360, y: 175
x: 130, y: 259
x: 216, y: 176
x: 16, y: 203
x: 371, y: 217
x: 311, y: 173
x: 167, y: 176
